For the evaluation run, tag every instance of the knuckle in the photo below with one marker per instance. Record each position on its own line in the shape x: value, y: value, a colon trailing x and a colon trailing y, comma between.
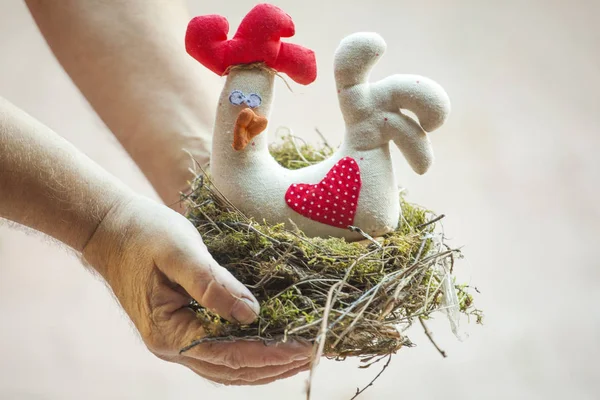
x: 201, y: 281
x: 205, y: 287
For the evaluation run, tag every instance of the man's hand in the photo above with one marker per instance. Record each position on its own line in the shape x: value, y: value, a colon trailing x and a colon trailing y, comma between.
x: 155, y: 262
x: 151, y: 256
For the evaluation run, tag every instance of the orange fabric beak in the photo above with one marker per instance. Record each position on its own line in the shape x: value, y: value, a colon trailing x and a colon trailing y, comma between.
x: 247, y: 126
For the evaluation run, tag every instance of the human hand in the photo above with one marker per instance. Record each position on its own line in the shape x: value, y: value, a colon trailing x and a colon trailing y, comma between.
x: 155, y: 262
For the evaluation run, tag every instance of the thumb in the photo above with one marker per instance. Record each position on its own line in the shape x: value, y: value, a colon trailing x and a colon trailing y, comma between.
x: 211, y: 285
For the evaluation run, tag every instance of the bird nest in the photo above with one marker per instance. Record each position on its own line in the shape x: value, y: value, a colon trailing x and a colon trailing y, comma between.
x: 352, y: 298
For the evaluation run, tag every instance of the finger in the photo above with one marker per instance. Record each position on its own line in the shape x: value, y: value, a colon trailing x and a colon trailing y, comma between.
x: 266, y: 381
x: 242, y: 354
x: 239, y: 382
x: 242, y: 374
x: 211, y: 285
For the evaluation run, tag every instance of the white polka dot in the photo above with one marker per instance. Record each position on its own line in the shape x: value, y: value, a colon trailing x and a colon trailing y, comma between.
x: 310, y: 211
x: 291, y: 193
x: 348, y: 177
x: 346, y: 193
x: 354, y: 188
x: 320, y: 197
x: 307, y: 192
x: 340, y: 182
x: 342, y: 215
x: 318, y: 205
x: 353, y: 196
x: 340, y: 222
x: 343, y: 166
x: 332, y: 219
x: 318, y: 214
x: 333, y: 179
x: 352, y: 162
x: 312, y: 202
x: 347, y: 185
x: 335, y: 204
x: 338, y: 190
x: 349, y: 219
x: 325, y: 217
x: 326, y: 209
x: 344, y: 201
x: 294, y: 185
x: 327, y: 200
x: 295, y: 204
x: 315, y: 194
x: 356, y: 180
x: 289, y: 201
x: 303, y: 208
x: 343, y: 208
x: 298, y: 197
x: 322, y: 190
x: 333, y: 211
x: 350, y: 171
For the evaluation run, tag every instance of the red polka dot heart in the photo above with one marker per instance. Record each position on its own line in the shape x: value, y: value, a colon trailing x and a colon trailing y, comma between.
x: 334, y: 200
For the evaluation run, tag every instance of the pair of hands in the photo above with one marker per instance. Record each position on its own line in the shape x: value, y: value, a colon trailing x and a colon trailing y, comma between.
x: 155, y: 262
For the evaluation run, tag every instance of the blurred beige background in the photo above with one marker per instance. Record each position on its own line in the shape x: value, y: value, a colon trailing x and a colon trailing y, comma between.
x: 517, y: 175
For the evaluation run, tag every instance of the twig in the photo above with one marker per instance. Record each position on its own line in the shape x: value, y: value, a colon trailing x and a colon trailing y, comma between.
x: 355, y: 320
x: 322, y: 336
x: 209, y: 219
x: 365, y: 235
x: 433, y: 221
x: 359, y: 391
x: 421, y: 247
x: 285, y: 81
x: 394, y: 275
x: 429, y: 335
x: 221, y: 339
x: 217, y: 193
x: 325, y: 142
x: 251, y: 228
x: 293, y: 138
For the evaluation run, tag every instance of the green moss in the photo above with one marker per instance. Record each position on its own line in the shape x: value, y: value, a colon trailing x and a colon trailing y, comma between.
x: 293, y: 153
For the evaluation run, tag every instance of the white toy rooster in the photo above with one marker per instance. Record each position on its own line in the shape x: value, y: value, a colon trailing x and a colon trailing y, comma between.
x: 356, y: 186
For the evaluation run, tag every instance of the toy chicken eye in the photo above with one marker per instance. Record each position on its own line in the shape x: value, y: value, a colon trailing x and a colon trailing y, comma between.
x: 236, y: 97
x: 253, y: 100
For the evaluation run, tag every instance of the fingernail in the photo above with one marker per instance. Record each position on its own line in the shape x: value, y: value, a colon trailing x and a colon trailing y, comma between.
x: 244, y: 311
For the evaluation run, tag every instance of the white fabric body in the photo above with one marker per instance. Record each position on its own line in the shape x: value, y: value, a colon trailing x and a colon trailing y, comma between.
x: 256, y: 184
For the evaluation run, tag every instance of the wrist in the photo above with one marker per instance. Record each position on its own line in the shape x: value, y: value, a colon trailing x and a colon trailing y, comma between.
x: 174, y: 166
x: 106, y: 244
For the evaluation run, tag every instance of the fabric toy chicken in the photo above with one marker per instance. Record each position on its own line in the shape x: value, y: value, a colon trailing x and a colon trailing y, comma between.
x: 356, y: 186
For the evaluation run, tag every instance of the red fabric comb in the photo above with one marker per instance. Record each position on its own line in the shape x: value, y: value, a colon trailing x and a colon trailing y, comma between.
x: 258, y: 39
